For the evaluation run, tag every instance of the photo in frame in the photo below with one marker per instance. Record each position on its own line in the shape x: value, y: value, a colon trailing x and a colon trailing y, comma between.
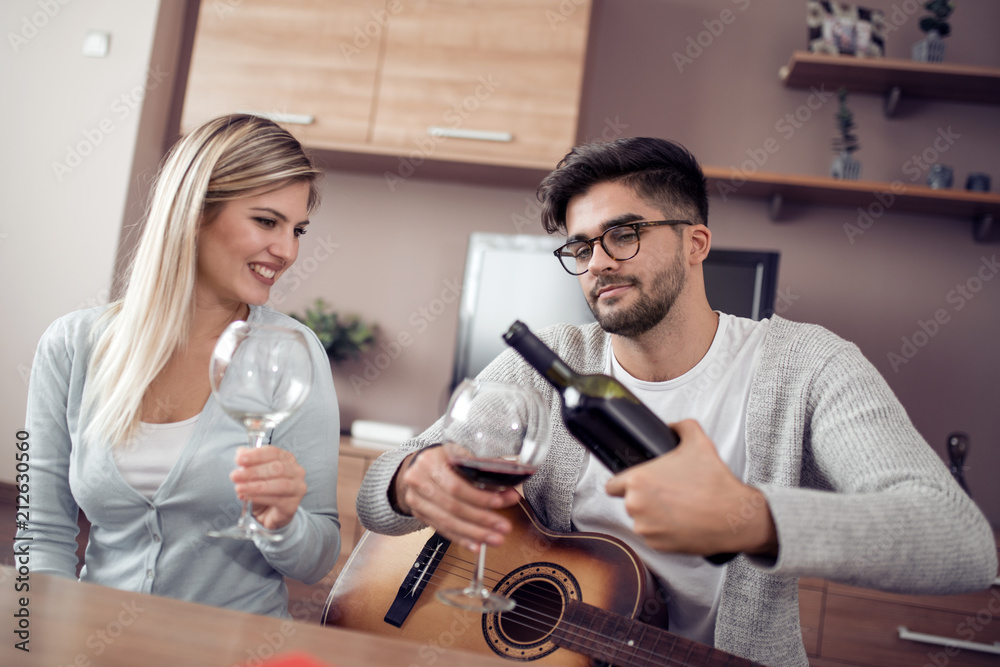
x: 837, y: 28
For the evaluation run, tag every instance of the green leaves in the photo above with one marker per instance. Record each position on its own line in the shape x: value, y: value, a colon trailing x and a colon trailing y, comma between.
x: 941, y: 10
x: 344, y: 337
x: 847, y: 142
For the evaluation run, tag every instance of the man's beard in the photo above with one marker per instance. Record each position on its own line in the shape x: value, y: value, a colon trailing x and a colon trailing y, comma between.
x: 651, y: 307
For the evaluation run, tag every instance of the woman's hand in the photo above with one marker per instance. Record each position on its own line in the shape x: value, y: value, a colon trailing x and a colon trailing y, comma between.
x: 273, y: 481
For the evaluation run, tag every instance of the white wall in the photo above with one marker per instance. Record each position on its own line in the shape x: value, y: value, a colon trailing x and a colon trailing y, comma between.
x: 70, y: 128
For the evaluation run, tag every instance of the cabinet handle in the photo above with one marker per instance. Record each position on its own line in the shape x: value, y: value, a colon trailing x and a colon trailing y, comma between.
x: 906, y: 633
x: 287, y: 118
x: 478, y: 135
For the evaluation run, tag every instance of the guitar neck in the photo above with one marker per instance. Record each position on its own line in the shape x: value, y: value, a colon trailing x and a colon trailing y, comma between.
x: 625, y: 642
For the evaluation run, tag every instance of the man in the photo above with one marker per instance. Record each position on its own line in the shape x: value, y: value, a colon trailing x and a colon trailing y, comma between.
x: 793, y: 450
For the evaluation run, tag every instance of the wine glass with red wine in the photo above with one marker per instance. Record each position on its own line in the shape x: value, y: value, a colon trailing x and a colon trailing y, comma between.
x: 496, y: 435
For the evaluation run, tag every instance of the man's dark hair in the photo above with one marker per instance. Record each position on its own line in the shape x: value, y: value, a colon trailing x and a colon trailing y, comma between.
x: 661, y: 172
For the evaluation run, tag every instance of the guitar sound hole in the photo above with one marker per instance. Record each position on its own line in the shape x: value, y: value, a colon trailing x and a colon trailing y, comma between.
x: 539, y: 607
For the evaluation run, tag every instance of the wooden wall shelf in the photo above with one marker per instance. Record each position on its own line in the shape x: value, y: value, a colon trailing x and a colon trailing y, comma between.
x: 981, y: 207
x: 893, y: 77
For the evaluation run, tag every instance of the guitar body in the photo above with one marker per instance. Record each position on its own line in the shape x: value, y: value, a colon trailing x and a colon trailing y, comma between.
x: 542, y: 571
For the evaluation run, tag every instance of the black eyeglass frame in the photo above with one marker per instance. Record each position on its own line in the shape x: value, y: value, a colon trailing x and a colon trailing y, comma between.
x: 636, y: 226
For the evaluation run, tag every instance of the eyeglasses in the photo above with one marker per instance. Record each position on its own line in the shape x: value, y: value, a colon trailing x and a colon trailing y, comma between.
x: 620, y: 242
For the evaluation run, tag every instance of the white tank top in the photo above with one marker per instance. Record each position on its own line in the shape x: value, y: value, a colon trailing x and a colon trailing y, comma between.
x: 147, y: 458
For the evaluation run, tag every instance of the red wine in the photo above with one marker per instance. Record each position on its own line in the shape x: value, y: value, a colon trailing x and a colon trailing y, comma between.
x: 599, y: 410
x: 493, y: 474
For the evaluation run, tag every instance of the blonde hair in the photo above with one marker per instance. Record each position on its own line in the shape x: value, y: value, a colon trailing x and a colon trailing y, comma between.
x: 225, y: 159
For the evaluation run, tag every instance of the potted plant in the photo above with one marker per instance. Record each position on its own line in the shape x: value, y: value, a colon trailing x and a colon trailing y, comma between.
x: 343, y: 338
x: 844, y: 166
x: 931, y: 48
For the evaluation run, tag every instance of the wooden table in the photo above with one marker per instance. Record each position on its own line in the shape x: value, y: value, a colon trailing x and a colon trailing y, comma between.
x: 84, y: 625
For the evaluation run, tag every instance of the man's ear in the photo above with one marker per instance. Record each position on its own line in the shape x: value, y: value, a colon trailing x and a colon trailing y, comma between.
x: 701, y: 242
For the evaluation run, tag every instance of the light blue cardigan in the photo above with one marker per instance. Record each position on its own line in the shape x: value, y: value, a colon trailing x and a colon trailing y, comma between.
x: 159, y: 545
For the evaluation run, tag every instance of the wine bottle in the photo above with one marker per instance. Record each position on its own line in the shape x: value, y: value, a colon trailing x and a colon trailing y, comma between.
x: 599, y: 411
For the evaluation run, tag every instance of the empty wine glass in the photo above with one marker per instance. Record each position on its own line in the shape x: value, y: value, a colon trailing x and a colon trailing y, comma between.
x: 496, y: 435
x: 259, y: 375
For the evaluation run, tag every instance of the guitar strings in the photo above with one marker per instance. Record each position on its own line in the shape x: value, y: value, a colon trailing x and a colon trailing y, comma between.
x: 533, y: 619
x: 529, y: 618
x: 464, y: 569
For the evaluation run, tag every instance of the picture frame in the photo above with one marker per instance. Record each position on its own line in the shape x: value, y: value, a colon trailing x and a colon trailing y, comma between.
x: 838, y: 28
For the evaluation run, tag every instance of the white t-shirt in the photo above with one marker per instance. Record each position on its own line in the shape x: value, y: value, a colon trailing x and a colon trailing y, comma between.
x: 147, y: 458
x: 714, y: 393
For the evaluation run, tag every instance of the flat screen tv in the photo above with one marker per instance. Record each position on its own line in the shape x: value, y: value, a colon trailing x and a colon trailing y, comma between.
x: 515, y: 277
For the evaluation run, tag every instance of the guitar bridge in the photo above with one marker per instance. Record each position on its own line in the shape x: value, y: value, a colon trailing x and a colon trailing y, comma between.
x: 416, y: 580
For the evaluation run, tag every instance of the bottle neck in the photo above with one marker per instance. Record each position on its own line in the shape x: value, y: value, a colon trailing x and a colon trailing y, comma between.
x: 539, y: 356
x: 560, y: 374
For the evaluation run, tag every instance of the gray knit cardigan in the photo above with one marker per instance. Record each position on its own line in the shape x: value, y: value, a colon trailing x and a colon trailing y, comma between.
x: 857, y: 495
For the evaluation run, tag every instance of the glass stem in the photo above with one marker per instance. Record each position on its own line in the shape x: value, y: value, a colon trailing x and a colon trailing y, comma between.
x: 256, y: 440
x: 477, y: 583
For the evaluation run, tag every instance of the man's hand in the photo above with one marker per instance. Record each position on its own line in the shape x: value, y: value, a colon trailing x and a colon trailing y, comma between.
x: 429, y: 489
x: 688, y: 501
x: 273, y: 481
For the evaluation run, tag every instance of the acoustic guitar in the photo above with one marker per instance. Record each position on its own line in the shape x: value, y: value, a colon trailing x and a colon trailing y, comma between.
x: 579, y: 597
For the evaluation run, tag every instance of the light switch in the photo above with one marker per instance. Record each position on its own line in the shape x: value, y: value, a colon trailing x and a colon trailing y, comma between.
x: 96, y: 43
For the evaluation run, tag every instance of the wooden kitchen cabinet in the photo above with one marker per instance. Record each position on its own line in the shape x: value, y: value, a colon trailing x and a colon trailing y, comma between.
x: 862, y: 628
x: 297, y: 58
x: 353, y: 464
x: 481, y: 81
x: 512, y: 68
x: 848, y: 626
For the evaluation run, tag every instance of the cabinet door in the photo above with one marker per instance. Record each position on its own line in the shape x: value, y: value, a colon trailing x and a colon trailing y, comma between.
x: 865, y: 631
x: 312, y: 59
x: 482, y: 66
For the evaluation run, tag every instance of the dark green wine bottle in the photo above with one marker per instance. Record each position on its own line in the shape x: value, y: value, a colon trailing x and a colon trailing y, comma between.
x: 599, y: 411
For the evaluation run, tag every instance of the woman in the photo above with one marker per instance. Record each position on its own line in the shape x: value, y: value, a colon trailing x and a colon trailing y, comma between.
x: 120, y: 411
